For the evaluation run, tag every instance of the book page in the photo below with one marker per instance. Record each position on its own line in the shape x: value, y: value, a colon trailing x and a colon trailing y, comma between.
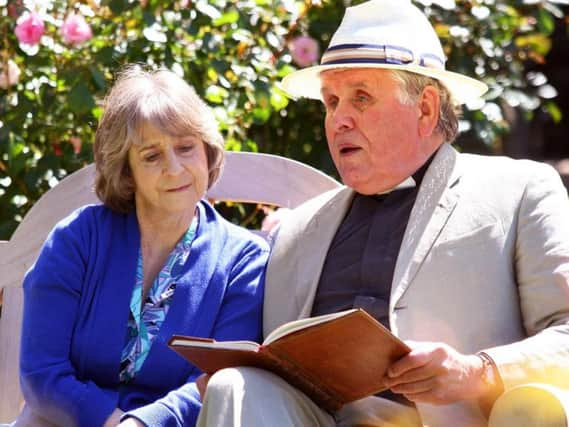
x: 221, y: 345
x: 297, y: 325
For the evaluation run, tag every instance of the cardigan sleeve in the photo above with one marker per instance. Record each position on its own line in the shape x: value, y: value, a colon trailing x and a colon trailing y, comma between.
x: 240, y: 315
x: 52, y: 290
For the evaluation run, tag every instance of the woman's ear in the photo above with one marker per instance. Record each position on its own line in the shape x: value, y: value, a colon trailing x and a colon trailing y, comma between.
x: 429, y: 110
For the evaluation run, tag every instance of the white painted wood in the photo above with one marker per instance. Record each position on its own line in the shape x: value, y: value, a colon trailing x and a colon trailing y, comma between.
x: 247, y: 177
x: 10, y: 394
x: 266, y: 178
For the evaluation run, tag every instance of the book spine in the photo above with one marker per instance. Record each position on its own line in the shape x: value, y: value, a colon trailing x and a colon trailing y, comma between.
x: 294, y: 375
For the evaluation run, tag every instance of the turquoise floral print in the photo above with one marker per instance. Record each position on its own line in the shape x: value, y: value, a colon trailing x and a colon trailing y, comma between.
x: 146, y: 319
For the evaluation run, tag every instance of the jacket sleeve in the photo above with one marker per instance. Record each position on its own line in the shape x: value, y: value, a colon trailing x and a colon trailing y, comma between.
x: 542, y: 271
x: 239, y: 317
x: 52, y: 290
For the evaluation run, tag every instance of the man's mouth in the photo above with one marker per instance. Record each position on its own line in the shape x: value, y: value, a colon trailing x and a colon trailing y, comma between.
x: 348, y: 149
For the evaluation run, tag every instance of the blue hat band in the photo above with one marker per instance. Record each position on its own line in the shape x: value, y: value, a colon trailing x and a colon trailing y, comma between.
x: 353, y: 53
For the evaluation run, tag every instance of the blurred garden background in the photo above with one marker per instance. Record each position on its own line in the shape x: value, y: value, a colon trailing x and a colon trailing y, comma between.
x: 58, y: 58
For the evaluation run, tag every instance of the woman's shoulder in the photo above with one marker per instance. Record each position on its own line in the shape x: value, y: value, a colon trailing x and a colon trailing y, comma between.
x: 235, y: 235
x: 244, y: 235
x: 92, y: 218
x: 84, y: 215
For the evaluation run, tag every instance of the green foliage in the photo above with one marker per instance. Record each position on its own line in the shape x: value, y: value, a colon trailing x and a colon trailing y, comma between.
x: 234, y: 53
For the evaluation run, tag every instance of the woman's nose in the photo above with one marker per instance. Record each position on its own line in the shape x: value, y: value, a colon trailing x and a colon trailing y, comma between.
x: 173, y: 164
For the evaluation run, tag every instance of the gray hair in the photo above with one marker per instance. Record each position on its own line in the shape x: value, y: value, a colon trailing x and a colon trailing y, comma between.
x: 165, y: 101
x: 412, y: 86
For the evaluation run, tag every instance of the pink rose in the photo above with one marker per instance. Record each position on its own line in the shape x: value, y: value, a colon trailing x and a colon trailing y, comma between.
x: 304, y: 51
x: 75, y: 30
x: 273, y: 217
x: 13, y: 8
x: 30, y: 28
x: 10, y: 76
x: 57, y: 149
x: 75, y: 141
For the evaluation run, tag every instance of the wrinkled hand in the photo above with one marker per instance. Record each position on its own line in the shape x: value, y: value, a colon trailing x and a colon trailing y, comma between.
x: 436, y: 373
x: 114, y: 419
x: 273, y: 218
x: 131, y: 422
x: 201, y: 383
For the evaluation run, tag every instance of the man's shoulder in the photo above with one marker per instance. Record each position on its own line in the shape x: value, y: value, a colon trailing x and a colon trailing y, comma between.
x: 306, y: 211
x: 296, y: 221
x: 520, y: 170
x: 498, y: 162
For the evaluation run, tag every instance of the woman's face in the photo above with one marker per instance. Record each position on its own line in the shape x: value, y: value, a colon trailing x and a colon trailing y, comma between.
x: 170, y: 173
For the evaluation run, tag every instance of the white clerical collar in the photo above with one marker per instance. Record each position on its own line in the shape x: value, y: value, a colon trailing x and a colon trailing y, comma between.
x: 409, y: 182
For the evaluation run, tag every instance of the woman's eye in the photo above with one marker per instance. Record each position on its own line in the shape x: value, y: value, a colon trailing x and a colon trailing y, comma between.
x: 149, y: 158
x: 186, y: 148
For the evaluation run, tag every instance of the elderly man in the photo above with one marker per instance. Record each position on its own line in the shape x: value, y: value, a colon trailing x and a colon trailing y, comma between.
x: 465, y: 257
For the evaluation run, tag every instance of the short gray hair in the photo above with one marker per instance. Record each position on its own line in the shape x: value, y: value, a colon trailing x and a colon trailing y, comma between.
x: 162, y: 99
x: 412, y: 85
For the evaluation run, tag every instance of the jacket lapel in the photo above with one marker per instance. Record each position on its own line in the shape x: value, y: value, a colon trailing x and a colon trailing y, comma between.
x: 298, y: 256
x: 435, y: 202
x: 318, y: 237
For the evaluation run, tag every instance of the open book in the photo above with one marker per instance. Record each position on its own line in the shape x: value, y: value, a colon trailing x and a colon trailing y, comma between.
x: 334, y: 359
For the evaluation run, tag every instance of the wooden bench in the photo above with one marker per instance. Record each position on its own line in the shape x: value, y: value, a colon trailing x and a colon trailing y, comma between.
x: 247, y: 177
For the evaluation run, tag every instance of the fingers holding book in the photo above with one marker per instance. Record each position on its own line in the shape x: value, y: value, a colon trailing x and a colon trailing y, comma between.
x: 436, y: 373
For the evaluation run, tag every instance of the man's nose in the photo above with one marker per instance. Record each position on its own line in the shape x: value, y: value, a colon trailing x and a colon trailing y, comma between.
x: 342, y: 117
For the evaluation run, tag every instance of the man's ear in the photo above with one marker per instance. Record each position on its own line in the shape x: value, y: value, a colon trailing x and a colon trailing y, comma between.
x: 429, y: 110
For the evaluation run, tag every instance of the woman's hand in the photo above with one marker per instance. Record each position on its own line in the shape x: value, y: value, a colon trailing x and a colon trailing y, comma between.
x: 201, y: 383
x: 114, y: 419
x: 131, y: 422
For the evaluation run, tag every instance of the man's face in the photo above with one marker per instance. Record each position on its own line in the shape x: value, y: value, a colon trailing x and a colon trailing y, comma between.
x: 373, y: 137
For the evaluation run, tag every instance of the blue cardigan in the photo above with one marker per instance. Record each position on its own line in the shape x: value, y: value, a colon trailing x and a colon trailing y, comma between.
x: 76, y: 307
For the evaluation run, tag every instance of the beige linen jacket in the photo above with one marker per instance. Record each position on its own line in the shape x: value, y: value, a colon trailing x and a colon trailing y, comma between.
x: 484, y: 265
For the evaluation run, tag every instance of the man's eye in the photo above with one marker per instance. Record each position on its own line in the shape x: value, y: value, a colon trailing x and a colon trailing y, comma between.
x: 330, y: 103
x: 362, y: 98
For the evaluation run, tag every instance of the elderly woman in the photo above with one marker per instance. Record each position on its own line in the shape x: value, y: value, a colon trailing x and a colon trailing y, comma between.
x: 114, y: 281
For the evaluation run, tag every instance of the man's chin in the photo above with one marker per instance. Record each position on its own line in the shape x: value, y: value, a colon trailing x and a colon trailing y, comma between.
x: 364, y: 188
x: 358, y: 186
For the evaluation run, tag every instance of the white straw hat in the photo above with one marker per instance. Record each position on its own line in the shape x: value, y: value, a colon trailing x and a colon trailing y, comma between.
x: 384, y: 34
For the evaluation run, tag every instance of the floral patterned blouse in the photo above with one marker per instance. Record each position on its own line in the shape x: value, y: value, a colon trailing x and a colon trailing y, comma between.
x: 145, y: 321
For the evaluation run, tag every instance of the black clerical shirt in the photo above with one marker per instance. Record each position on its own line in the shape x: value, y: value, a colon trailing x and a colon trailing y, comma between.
x: 360, y: 262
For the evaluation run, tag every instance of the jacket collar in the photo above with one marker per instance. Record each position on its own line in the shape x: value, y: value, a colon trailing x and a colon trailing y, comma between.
x: 436, y: 199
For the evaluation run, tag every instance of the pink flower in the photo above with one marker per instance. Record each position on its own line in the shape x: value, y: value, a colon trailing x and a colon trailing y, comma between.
x: 273, y: 217
x: 75, y: 30
x: 13, y: 8
x: 57, y: 149
x: 304, y: 51
x: 30, y: 28
x: 10, y: 76
x: 76, y: 142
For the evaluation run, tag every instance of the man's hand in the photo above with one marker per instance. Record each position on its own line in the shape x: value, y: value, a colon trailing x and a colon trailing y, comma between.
x: 201, y: 383
x: 438, y: 374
